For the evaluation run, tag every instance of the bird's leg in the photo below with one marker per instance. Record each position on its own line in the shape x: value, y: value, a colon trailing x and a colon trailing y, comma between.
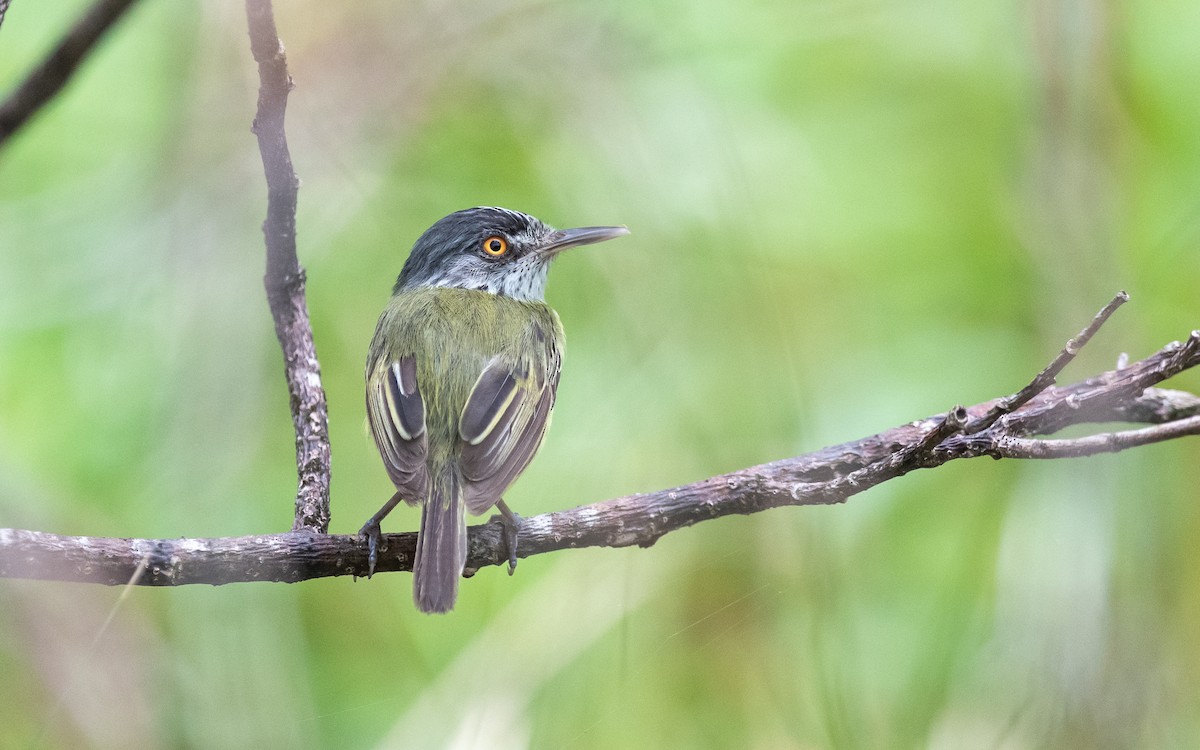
x: 374, y: 536
x: 512, y: 526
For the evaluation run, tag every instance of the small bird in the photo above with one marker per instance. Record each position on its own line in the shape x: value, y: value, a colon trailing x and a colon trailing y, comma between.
x: 461, y: 378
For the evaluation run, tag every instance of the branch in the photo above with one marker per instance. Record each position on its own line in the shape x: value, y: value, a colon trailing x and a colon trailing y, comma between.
x: 1045, y: 378
x: 48, y: 79
x: 823, y: 477
x: 285, y: 278
x: 1105, y: 442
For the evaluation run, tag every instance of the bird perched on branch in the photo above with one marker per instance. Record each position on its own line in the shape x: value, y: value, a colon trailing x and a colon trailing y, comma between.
x: 461, y: 378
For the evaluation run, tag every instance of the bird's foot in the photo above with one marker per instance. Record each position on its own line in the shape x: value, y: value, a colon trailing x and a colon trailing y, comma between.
x: 374, y: 537
x: 512, y: 527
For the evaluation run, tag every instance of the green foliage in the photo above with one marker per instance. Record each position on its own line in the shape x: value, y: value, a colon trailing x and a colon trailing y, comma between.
x: 844, y: 216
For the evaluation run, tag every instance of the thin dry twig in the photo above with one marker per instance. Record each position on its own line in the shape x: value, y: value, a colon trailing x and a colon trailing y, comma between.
x: 284, y: 279
x: 48, y: 78
x: 1045, y: 378
x: 1006, y: 446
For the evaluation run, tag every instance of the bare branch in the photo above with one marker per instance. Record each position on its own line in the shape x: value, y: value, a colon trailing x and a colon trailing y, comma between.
x: 1045, y: 378
x: 285, y: 278
x: 1105, y: 442
x: 288, y: 558
x: 1158, y: 405
x: 915, y: 455
x: 823, y: 477
x: 48, y: 78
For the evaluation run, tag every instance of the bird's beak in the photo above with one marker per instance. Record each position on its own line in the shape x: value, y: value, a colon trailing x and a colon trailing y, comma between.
x: 565, y: 238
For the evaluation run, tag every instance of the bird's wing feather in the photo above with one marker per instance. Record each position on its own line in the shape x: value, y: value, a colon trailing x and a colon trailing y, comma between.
x: 494, y: 396
x: 502, y: 425
x: 396, y: 415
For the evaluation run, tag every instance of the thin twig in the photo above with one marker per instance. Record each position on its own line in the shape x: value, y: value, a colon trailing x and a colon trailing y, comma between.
x: 1114, y: 389
x: 1004, y: 446
x: 1045, y: 378
x: 3, y: 10
x: 284, y: 279
x: 909, y: 457
x: 48, y: 78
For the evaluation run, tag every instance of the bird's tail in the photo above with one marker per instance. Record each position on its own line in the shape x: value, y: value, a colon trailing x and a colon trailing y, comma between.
x: 441, y: 545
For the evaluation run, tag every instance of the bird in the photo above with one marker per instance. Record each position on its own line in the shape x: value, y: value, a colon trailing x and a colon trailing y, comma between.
x: 461, y: 377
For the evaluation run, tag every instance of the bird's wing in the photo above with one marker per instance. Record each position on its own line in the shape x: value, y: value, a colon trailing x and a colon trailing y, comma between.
x: 502, y: 425
x: 396, y: 414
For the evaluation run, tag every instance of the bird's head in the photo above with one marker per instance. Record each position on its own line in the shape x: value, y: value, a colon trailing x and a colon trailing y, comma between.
x: 494, y: 250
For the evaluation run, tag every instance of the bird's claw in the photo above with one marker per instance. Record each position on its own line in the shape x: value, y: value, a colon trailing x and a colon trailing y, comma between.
x: 371, y: 531
x: 512, y: 527
x: 510, y: 542
x: 374, y: 542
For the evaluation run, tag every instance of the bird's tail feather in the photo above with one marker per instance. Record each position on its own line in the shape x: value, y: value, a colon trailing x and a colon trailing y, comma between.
x: 441, y: 545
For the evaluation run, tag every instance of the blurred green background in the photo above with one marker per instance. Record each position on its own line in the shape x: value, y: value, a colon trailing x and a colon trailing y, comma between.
x: 845, y: 216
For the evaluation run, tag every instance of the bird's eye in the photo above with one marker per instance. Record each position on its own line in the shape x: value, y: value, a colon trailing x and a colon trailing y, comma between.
x: 495, y: 246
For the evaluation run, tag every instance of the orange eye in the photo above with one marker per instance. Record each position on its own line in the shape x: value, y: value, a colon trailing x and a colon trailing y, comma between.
x: 495, y: 246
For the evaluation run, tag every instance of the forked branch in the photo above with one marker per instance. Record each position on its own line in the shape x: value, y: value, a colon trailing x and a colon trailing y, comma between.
x: 827, y: 476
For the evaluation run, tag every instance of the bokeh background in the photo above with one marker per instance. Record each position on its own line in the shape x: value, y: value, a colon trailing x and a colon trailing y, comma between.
x: 845, y: 216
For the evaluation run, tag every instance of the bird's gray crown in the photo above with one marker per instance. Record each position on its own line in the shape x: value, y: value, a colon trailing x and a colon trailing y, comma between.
x: 452, y: 253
